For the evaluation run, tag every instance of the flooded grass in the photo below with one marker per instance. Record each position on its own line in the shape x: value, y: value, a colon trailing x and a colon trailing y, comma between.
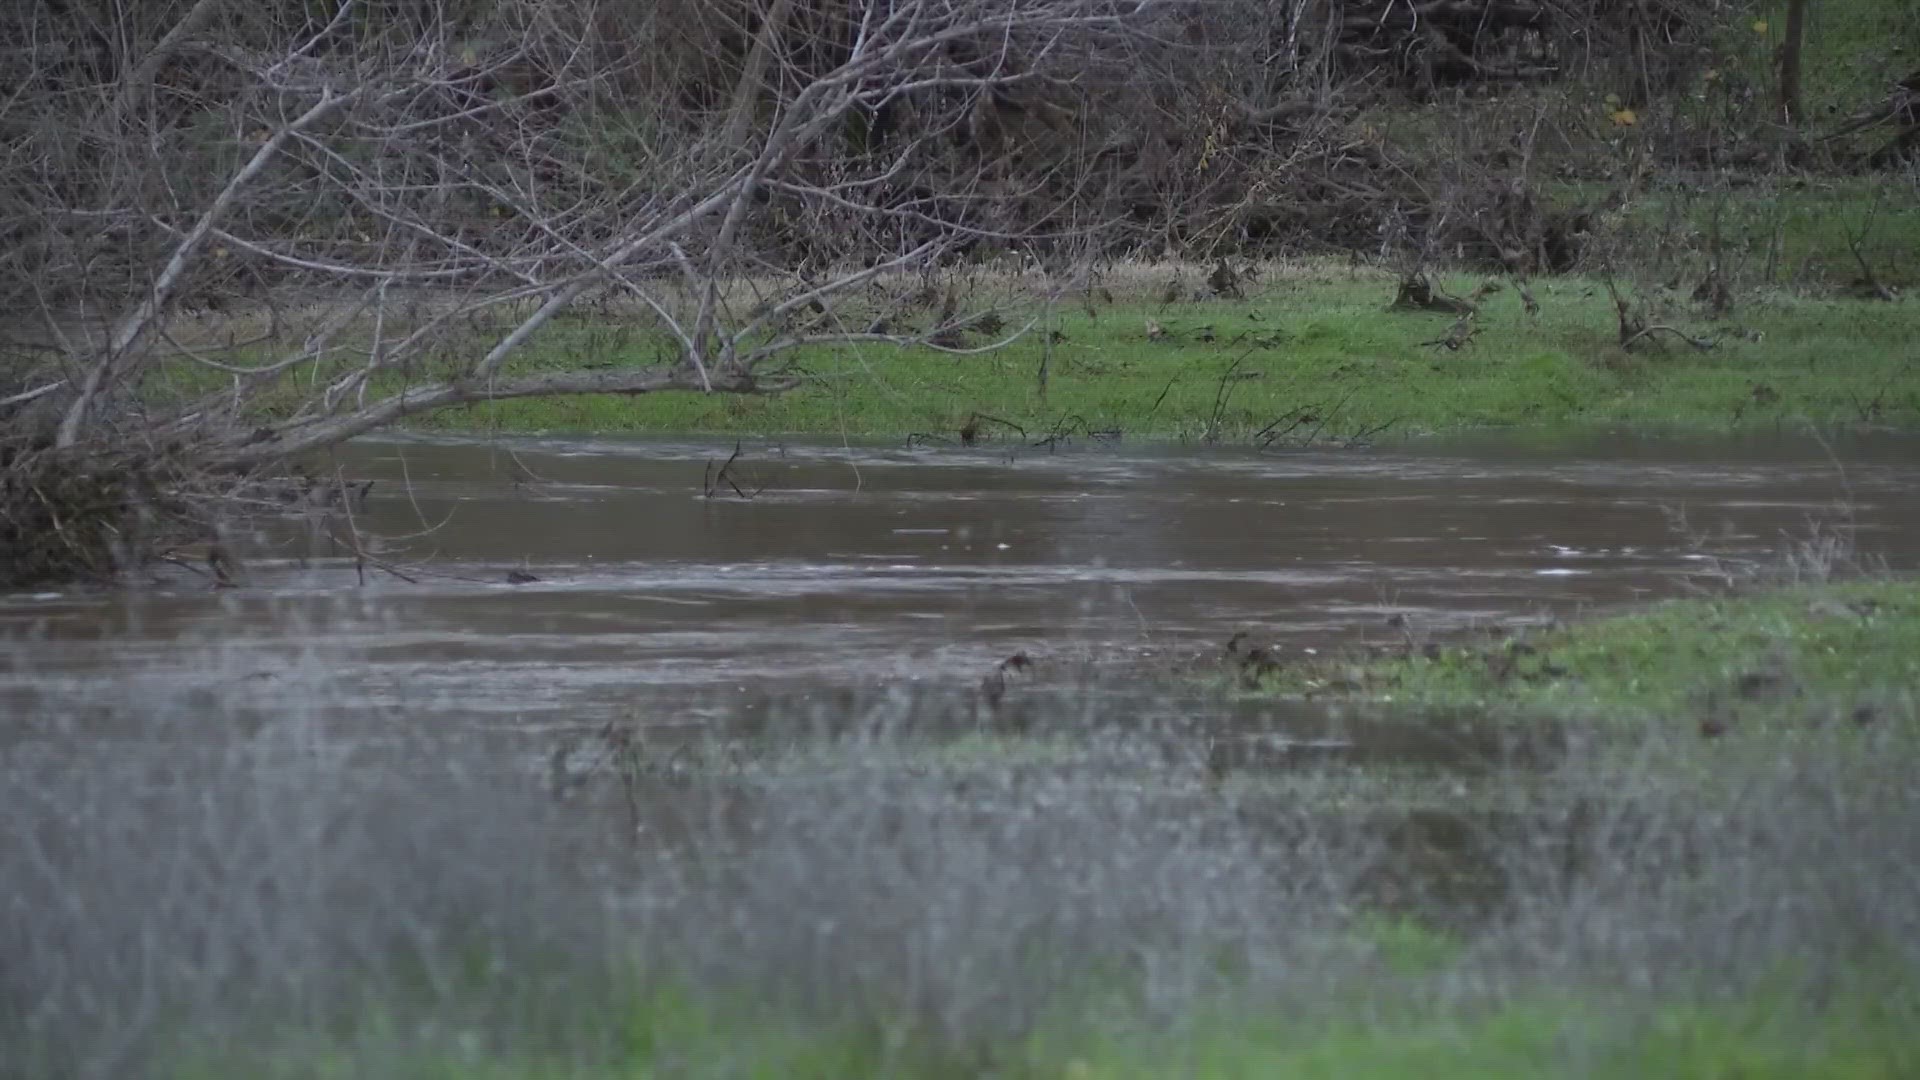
x: 269, y: 879
x: 752, y: 787
x: 1779, y: 661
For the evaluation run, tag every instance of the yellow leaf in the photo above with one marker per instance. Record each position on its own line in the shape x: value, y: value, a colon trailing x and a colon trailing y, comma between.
x: 1624, y: 118
x: 1760, y: 26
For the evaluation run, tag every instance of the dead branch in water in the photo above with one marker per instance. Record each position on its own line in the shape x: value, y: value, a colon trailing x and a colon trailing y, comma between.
x: 724, y: 474
x: 453, y: 209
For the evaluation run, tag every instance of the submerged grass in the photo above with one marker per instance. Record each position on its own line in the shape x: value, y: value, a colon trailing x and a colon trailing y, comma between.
x: 214, y: 875
x: 1846, y: 653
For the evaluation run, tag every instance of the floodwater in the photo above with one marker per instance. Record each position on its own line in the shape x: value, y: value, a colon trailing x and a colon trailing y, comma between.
x: 833, y: 567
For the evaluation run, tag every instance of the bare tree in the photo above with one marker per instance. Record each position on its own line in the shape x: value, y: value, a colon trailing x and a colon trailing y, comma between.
x: 426, y: 206
x: 437, y: 186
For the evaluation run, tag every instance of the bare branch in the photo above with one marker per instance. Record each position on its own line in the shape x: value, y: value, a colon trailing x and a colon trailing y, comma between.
x: 142, y: 316
x: 413, y: 401
x: 35, y: 394
x: 142, y: 76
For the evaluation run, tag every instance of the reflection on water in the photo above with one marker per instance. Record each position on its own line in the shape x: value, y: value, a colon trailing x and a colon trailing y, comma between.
x: 868, y: 565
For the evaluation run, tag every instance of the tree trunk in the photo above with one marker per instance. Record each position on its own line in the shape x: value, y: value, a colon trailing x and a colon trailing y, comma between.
x: 1790, y: 61
x: 753, y: 76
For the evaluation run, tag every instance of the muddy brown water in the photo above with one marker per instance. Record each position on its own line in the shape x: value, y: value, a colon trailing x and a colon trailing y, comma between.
x: 879, y: 565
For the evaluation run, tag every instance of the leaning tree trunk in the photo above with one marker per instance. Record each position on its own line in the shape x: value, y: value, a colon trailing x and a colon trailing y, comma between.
x: 747, y: 93
x: 448, y: 195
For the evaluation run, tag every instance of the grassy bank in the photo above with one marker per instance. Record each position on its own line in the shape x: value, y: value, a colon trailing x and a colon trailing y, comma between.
x: 1785, y: 660
x: 1759, y: 1038
x: 1312, y: 354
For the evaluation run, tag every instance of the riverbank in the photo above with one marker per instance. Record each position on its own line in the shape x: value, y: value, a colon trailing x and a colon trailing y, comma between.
x: 1313, y: 353
x: 845, y: 884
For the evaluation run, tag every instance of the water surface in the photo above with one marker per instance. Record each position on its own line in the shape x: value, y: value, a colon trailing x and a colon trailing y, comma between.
x: 869, y: 565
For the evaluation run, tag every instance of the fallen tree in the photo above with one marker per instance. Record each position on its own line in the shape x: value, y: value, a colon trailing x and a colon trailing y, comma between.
x: 391, y: 206
x: 429, y: 196
x: 1900, y: 112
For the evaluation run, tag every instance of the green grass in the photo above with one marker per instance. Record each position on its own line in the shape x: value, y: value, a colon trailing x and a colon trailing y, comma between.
x: 1755, y: 1038
x: 1852, y: 53
x: 1319, y: 353
x: 1532, y: 1040
x: 1795, y: 235
x: 1847, y: 654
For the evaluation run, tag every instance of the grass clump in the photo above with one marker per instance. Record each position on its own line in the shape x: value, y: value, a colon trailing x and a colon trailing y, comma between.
x: 1848, y: 651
